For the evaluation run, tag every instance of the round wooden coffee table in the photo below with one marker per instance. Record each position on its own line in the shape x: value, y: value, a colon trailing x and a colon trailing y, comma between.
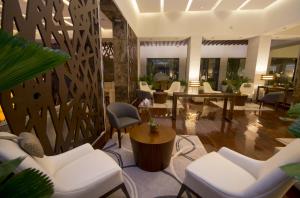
x: 152, y: 150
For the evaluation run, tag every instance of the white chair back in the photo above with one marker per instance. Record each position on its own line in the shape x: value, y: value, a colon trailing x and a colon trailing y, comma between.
x: 175, y: 86
x: 144, y: 86
x: 271, y: 180
x: 9, y: 150
x: 247, y: 89
x: 207, y: 88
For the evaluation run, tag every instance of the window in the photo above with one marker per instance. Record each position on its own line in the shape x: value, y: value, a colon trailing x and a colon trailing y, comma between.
x: 167, y: 66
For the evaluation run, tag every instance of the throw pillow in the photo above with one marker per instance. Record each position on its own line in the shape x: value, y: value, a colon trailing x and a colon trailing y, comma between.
x: 31, y: 144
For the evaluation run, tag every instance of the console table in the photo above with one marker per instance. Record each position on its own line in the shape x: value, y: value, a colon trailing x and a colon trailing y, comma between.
x: 226, y: 96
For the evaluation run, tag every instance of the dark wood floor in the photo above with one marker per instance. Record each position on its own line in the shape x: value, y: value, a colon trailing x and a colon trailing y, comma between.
x: 251, y: 133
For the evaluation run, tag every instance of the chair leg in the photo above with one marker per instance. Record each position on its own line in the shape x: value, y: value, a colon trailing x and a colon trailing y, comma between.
x: 119, y: 137
x: 181, y: 191
x: 125, y: 130
x: 124, y: 189
x: 111, y: 132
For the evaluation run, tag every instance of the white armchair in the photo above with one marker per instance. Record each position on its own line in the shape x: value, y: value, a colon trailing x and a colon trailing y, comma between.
x: 226, y: 173
x: 175, y: 87
x: 80, y: 172
x: 207, y: 88
x: 247, y: 89
x: 145, y: 87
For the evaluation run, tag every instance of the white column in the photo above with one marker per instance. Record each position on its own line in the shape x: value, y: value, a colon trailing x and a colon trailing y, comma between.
x: 194, y: 61
x: 257, y: 58
x: 194, y: 57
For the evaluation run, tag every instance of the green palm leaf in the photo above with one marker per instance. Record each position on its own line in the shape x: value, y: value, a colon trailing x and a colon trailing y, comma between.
x: 8, y: 167
x: 28, y: 183
x: 292, y: 170
x: 22, y: 60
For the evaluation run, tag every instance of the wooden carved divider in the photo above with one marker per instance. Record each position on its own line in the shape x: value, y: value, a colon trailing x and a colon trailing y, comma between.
x: 63, y: 107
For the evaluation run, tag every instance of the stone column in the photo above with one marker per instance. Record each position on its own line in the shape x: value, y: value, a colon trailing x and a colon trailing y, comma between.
x: 257, y: 58
x: 120, y: 60
x: 194, y: 57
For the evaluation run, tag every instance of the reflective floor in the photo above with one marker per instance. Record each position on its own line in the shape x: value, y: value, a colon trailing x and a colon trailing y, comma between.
x: 252, y: 133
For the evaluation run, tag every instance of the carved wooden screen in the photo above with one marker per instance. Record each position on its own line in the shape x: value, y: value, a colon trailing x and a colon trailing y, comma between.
x: 63, y: 107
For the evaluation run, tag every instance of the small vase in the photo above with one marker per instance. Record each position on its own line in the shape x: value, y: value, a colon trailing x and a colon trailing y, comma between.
x: 153, y: 129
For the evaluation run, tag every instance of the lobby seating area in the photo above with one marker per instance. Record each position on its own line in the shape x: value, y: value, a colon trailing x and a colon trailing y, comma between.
x: 150, y: 99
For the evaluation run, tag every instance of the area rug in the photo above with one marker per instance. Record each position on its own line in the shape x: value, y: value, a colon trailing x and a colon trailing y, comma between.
x: 166, y: 105
x: 247, y: 107
x: 166, y: 183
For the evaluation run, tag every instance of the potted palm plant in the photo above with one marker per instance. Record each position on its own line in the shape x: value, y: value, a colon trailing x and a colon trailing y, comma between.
x: 21, y: 60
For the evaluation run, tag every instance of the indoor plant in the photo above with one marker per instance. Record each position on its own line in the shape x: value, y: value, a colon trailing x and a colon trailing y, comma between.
x: 22, y: 60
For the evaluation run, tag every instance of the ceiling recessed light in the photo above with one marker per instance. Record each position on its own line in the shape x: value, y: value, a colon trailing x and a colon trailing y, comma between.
x: 188, y: 5
x: 243, y: 4
x: 162, y: 4
x: 216, y: 4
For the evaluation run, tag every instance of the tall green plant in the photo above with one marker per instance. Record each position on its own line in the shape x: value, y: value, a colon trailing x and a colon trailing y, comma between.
x: 22, y: 60
x: 28, y: 183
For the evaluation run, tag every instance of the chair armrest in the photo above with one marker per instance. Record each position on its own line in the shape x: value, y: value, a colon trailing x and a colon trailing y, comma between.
x: 134, y: 113
x: 113, y: 119
x: 56, y: 162
x: 247, y: 163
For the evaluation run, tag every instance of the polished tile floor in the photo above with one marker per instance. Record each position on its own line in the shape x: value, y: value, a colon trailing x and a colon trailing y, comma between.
x: 252, y: 133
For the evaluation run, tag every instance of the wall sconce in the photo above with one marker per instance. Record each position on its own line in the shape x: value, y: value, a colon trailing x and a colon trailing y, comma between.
x: 267, y: 77
x: 194, y: 83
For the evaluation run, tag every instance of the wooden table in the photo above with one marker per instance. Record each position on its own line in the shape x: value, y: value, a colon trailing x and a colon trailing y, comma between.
x: 226, y: 96
x: 152, y: 150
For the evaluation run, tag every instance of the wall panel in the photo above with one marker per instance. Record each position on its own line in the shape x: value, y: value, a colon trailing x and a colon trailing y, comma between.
x: 63, y: 107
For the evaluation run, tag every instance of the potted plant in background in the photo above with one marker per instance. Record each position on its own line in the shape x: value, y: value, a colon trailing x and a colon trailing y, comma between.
x: 183, y: 85
x: 21, y: 60
x: 224, y: 86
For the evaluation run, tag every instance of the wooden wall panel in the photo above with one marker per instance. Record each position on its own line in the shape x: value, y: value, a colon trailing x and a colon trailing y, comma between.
x: 63, y: 107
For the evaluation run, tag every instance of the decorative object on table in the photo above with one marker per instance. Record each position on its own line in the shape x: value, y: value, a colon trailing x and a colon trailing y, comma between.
x: 27, y: 183
x: 224, y: 86
x: 21, y: 60
x: 247, y: 89
x: 153, y: 125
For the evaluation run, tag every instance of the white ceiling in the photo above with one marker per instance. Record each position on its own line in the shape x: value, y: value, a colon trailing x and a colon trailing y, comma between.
x: 150, y: 6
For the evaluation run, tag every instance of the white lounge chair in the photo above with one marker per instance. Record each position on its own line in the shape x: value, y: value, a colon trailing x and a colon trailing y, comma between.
x: 226, y: 173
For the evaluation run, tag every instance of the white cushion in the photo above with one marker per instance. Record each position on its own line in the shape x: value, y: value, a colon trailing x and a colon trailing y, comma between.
x: 219, y: 174
x: 92, y: 175
x: 11, y: 150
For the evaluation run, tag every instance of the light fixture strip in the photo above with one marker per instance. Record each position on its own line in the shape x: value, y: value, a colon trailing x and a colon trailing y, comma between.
x: 243, y: 4
x: 188, y: 5
x: 162, y: 5
x: 216, y: 4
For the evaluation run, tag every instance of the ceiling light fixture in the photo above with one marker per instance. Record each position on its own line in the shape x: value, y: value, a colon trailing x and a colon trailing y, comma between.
x: 243, y: 4
x: 188, y: 5
x: 66, y: 2
x: 135, y: 6
x: 216, y: 4
x: 162, y: 5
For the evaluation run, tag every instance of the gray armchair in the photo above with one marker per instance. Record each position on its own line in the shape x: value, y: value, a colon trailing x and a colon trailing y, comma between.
x: 122, y: 115
x: 272, y: 98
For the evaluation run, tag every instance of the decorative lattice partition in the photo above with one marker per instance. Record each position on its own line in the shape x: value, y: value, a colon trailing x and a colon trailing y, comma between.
x: 63, y: 107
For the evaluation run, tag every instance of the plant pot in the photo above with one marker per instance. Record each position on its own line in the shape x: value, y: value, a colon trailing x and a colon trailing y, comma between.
x: 224, y: 88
